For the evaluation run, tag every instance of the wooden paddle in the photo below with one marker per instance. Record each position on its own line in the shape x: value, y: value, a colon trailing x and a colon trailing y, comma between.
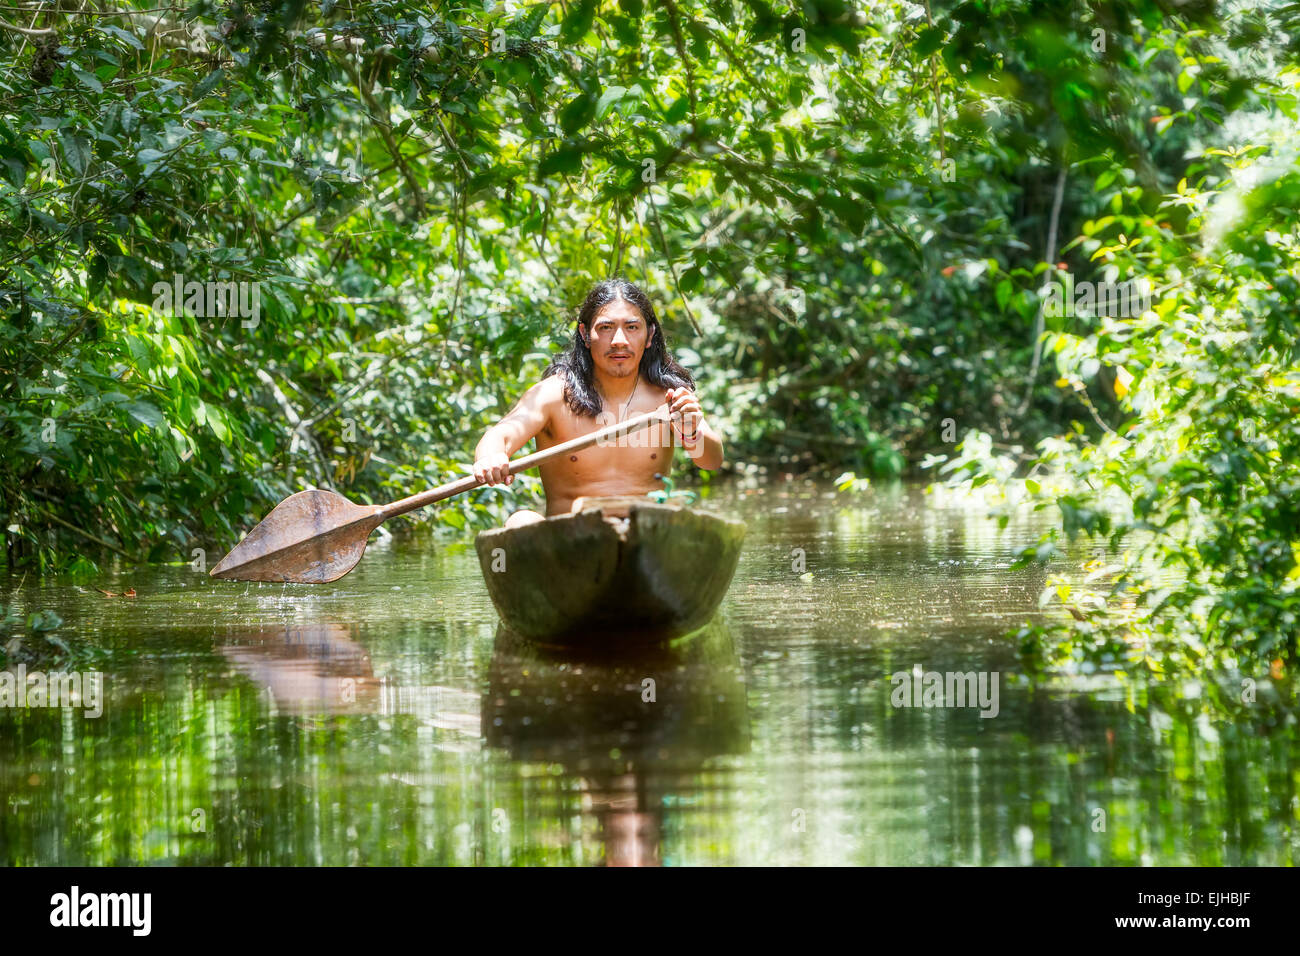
x: 317, y: 536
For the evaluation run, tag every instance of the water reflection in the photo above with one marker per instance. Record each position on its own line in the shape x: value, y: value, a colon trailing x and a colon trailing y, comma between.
x: 382, y: 720
x: 616, y: 721
x: 307, y: 668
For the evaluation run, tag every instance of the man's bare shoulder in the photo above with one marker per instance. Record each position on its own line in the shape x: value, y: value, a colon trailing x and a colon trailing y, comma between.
x: 546, y: 396
x: 550, y: 389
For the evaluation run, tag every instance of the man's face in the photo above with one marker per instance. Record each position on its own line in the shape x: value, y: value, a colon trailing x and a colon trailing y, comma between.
x: 617, y: 338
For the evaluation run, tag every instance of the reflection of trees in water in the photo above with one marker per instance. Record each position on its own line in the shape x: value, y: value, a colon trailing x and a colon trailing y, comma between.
x: 1107, y: 774
x: 622, y: 723
x: 586, y: 769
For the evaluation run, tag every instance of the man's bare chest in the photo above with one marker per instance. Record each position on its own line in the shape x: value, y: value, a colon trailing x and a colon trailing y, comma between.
x: 648, y: 449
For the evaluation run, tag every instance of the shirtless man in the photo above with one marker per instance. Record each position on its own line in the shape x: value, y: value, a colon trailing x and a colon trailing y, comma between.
x: 617, y: 367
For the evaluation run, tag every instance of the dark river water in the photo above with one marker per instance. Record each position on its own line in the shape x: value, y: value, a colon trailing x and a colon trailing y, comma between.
x: 383, y: 720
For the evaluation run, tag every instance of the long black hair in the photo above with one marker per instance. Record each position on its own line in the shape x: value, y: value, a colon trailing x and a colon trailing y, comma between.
x: 658, y: 367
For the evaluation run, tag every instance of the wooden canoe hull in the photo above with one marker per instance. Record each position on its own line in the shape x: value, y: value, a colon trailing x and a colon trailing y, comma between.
x: 579, y: 579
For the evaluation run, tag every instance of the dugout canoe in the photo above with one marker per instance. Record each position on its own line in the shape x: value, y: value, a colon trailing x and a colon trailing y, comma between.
x: 656, y: 573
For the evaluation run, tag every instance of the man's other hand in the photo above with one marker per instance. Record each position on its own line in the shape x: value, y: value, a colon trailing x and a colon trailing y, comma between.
x: 684, y: 411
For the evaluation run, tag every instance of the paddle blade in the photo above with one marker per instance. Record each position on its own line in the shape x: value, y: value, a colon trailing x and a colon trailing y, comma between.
x: 312, y: 537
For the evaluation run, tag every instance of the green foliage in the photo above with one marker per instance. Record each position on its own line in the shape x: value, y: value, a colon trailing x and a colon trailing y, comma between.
x: 417, y: 201
x: 1201, y: 473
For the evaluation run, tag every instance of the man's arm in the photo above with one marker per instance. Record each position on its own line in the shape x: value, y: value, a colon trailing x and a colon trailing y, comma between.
x: 526, y: 419
x: 701, y: 442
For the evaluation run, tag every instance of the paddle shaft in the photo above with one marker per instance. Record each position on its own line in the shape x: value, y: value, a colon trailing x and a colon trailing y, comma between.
x: 415, y: 502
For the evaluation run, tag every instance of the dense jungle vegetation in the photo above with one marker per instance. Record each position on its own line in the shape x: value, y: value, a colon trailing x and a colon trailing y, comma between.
x: 854, y: 219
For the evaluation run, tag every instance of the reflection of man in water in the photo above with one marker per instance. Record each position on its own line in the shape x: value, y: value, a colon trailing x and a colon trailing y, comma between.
x: 629, y: 832
x: 617, y: 367
x: 623, y: 753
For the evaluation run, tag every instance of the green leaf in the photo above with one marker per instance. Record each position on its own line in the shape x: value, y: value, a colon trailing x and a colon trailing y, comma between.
x: 566, y: 159
x: 76, y: 149
x: 130, y: 39
x: 1003, y: 293
x: 529, y: 26
x: 577, y: 113
x: 144, y: 413
x: 677, y: 112
x: 208, y: 83
x: 608, y: 99
x: 217, y: 423
x: 927, y: 41
x: 578, y: 23
x: 98, y: 274
x: 15, y: 166
x: 89, y: 80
